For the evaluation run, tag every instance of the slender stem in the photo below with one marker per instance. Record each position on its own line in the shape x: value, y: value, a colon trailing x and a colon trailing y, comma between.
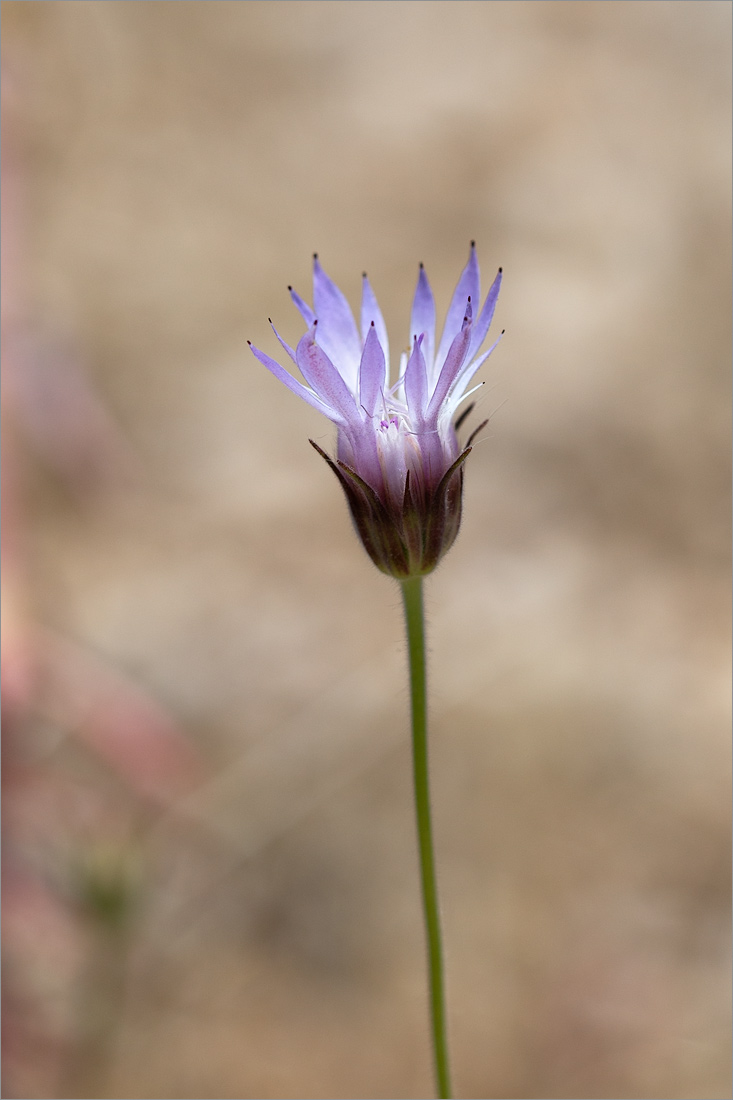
x: 415, y: 622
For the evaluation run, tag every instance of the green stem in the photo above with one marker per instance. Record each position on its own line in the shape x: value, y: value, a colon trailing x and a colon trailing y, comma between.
x: 415, y: 622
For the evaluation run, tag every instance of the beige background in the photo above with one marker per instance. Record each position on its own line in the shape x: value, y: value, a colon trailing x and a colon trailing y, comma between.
x: 177, y: 164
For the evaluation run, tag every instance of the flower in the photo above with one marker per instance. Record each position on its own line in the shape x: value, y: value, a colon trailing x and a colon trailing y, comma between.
x: 398, y: 458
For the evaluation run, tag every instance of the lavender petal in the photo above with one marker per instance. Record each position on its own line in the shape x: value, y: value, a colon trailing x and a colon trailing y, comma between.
x: 485, y: 318
x: 370, y: 311
x: 416, y: 384
x: 296, y: 386
x: 454, y: 360
x: 469, y: 285
x: 302, y: 307
x: 320, y: 373
x: 337, y: 330
x: 422, y: 319
x: 372, y: 372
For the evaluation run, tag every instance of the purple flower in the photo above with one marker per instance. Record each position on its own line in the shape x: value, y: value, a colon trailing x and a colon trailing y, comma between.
x: 398, y: 458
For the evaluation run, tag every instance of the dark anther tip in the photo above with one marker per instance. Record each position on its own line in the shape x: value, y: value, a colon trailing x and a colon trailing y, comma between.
x: 469, y: 297
x: 500, y: 270
x: 290, y: 288
x: 503, y: 331
x: 315, y: 255
x: 363, y: 274
x: 250, y: 343
x: 270, y: 319
x: 372, y: 324
x: 473, y: 244
x: 422, y: 265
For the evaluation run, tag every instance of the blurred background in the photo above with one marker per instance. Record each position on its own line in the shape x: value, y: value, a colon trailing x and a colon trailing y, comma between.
x: 210, y: 871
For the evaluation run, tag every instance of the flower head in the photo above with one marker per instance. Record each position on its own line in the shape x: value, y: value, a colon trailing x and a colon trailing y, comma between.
x: 398, y: 458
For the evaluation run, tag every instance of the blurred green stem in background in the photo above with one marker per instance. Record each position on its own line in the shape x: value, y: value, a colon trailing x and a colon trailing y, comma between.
x: 415, y: 623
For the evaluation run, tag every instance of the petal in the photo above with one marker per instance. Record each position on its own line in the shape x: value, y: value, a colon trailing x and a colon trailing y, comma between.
x: 303, y: 308
x: 458, y: 390
x: 468, y: 286
x: 294, y: 385
x: 485, y: 317
x: 337, y: 331
x: 422, y: 319
x: 433, y: 458
x: 357, y: 447
x: 370, y: 311
x: 416, y: 385
x: 320, y: 373
x: 454, y: 360
x: 372, y: 372
x: 366, y: 456
x: 287, y: 347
